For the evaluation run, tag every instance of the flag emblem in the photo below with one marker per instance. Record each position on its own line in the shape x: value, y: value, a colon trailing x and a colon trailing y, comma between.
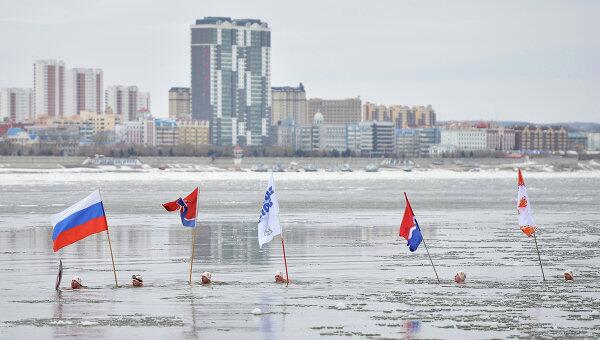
x: 79, y: 221
x: 409, y: 228
x: 268, y: 219
x: 187, y: 208
x: 524, y: 208
x: 523, y: 203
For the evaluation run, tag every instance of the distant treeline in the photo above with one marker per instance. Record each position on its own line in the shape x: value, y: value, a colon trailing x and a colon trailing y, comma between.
x: 126, y: 150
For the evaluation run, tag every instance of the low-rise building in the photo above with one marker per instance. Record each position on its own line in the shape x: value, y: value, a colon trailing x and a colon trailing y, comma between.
x: 283, y: 133
x: 336, y: 111
x: 408, y: 143
x: 193, y: 132
x: 500, y: 139
x: 130, y: 132
x: 441, y: 150
x: 593, y: 141
x: 167, y: 132
x: 472, y: 139
x: 353, y: 137
x: 19, y: 136
x: 540, y: 138
x: 577, y: 141
x: 402, y: 116
x: 101, y: 122
x: 384, y: 141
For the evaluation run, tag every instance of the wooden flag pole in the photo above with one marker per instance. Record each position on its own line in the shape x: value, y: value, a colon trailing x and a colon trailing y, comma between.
x: 424, y: 243
x: 112, y: 258
x: 192, y: 257
x: 194, y: 238
x: 435, y: 271
x: 287, y: 277
x: 539, y: 258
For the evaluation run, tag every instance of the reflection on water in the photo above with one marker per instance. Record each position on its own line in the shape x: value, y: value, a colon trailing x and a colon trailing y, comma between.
x: 342, y: 248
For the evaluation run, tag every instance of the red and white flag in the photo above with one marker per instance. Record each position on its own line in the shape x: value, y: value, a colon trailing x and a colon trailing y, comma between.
x: 524, y: 209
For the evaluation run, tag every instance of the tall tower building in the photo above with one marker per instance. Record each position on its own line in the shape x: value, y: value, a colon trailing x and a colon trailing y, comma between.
x: 15, y: 104
x: 84, y: 91
x: 289, y: 102
x: 180, y: 103
x: 231, y: 78
x: 49, y: 88
x: 143, y: 101
x: 123, y: 101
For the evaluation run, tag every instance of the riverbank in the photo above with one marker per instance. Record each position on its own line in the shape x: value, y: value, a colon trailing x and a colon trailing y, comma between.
x: 544, y: 164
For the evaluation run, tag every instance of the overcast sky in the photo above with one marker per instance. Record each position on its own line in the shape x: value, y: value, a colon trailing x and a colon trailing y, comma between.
x: 506, y: 60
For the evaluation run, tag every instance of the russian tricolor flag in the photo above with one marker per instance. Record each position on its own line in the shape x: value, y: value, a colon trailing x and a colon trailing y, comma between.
x: 409, y: 228
x: 79, y: 221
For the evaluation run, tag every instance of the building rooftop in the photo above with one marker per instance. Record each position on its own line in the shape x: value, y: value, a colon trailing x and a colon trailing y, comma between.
x: 13, y: 131
x: 236, y: 22
x: 165, y: 122
x: 179, y: 89
x: 300, y: 88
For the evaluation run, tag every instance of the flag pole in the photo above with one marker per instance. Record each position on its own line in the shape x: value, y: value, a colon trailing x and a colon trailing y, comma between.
x: 194, y: 237
x: 287, y: 277
x: 192, y: 257
x: 539, y: 258
x: 424, y: 243
x: 110, y: 245
x: 112, y: 258
x: 435, y: 271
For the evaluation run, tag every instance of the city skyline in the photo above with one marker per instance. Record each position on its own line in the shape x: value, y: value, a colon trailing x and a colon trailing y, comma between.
x: 540, y: 68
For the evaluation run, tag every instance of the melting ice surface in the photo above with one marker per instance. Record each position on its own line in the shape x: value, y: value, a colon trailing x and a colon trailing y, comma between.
x: 351, y: 274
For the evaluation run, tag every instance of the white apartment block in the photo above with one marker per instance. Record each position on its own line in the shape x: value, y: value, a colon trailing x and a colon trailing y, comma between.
x: 122, y: 100
x: 131, y: 132
x: 84, y: 91
x: 16, y: 104
x: 465, y: 139
x: 593, y: 142
x: 49, y: 88
x: 353, y: 137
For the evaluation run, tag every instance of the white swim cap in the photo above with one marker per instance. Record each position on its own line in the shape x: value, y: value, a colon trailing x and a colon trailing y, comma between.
x: 206, y: 274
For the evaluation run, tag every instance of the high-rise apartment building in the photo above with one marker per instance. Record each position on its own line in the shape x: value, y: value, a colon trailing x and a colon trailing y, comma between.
x: 84, y: 91
x: 15, y: 105
x: 143, y: 101
x: 336, y: 111
x: 122, y: 100
x: 231, y: 78
x: 49, y: 88
x: 180, y: 103
x: 424, y: 116
x: 289, y: 103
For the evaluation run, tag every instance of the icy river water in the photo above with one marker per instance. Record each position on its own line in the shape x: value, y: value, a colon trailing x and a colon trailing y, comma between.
x: 351, y: 274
